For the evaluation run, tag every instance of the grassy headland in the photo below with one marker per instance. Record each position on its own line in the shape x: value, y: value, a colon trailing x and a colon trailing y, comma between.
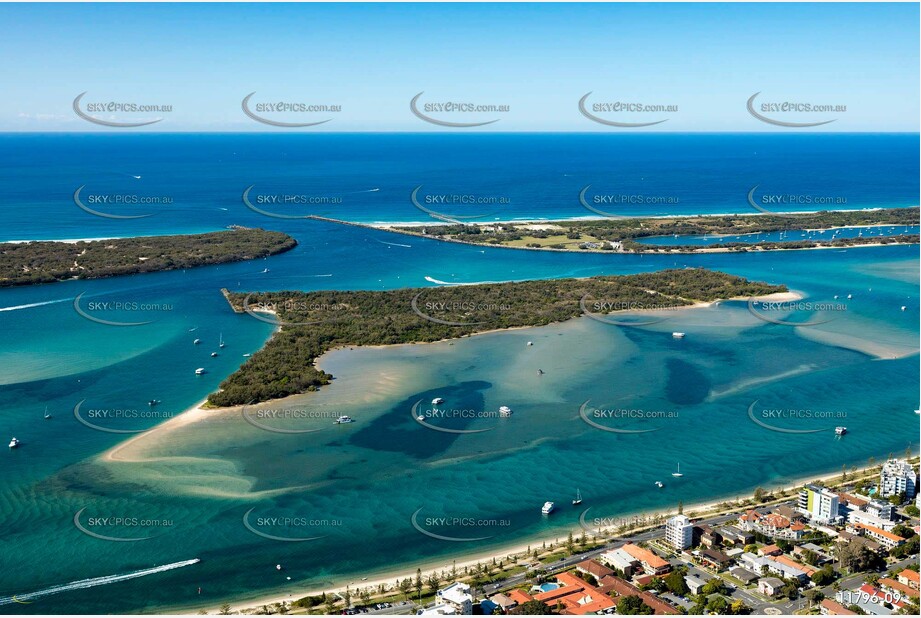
x: 315, y: 322
x: 617, y: 234
x: 46, y: 261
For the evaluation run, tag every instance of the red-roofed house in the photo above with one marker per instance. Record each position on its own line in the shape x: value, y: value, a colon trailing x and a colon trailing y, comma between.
x: 830, y: 607
x: 652, y: 564
x: 519, y: 596
x: 575, y: 597
x: 909, y: 577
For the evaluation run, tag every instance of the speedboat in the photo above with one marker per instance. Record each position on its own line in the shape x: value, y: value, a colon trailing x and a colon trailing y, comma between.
x: 547, y: 508
x: 197, y: 341
x: 14, y: 443
x: 678, y: 335
x: 840, y: 430
x: 505, y: 411
x: 437, y: 401
x: 344, y: 419
x: 200, y: 371
x: 213, y: 354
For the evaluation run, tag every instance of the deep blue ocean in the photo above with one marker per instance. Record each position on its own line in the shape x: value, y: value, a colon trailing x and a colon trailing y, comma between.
x: 199, y: 481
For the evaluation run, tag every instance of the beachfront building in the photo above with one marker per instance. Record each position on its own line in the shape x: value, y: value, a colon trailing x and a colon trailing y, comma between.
x: 454, y: 600
x: 678, y: 532
x: 898, y: 476
x: 818, y: 504
x: 862, y: 517
x: 772, y: 524
x: 885, y: 538
x: 621, y: 560
x: 651, y: 563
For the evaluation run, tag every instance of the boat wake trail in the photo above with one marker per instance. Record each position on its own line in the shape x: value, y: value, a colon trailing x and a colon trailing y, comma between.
x: 93, y: 582
x: 29, y: 306
x: 395, y: 244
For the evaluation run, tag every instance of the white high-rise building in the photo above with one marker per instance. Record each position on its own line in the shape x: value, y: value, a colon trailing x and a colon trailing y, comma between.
x: 818, y: 503
x: 898, y: 476
x: 678, y: 532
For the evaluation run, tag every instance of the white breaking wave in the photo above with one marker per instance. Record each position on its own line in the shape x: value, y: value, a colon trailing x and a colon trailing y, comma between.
x: 93, y: 582
x: 29, y: 306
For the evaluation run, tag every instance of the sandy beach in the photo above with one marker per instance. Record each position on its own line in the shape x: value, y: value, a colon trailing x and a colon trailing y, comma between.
x: 470, y: 559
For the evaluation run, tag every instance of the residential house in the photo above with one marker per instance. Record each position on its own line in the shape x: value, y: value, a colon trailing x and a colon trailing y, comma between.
x: 770, y: 586
x: 909, y: 577
x: 651, y: 563
x: 830, y: 607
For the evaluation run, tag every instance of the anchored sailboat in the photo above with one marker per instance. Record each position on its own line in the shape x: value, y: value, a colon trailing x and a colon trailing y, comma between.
x: 677, y: 473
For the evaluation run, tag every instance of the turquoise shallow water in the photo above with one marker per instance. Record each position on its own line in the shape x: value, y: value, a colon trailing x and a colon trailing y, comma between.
x: 357, y: 486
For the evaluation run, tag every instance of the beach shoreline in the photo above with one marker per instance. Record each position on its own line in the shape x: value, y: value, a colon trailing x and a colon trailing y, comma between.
x: 517, y: 550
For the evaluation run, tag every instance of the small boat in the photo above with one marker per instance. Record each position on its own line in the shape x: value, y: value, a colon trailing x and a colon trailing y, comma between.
x: 903, y: 308
x: 265, y: 271
x: 437, y: 401
x: 213, y: 354
x: 278, y: 567
x: 200, y: 371
x: 547, y: 508
x: 197, y: 341
x: 659, y: 484
x: 840, y: 431
x: 505, y: 411
x: 344, y: 419
x: 14, y: 443
x: 578, y: 498
x: 530, y: 343
x: 540, y: 372
x: 221, y: 342
x: 153, y: 402
x: 47, y: 416
x: 247, y: 355
x: 836, y: 297
x: 677, y: 473
x: 850, y: 296
x: 678, y: 335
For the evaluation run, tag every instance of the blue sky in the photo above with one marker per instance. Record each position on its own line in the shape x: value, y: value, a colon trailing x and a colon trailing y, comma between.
x: 537, y: 59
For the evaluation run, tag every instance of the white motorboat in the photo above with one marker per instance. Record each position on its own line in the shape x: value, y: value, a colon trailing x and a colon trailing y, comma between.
x: 437, y: 401
x: 505, y: 411
x: 200, y: 371
x: 14, y: 443
x: 547, y: 508
x: 678, y: 335
x: 840, y: 430
x: 197, y: 341
x: 344, y: 419
x: 659, y: 484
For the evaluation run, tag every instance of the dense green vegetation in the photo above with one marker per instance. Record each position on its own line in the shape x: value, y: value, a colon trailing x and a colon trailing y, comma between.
x: 604, y: 231
x: 44, y: 262
x: 314, y: 322
x: 773, y: 245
